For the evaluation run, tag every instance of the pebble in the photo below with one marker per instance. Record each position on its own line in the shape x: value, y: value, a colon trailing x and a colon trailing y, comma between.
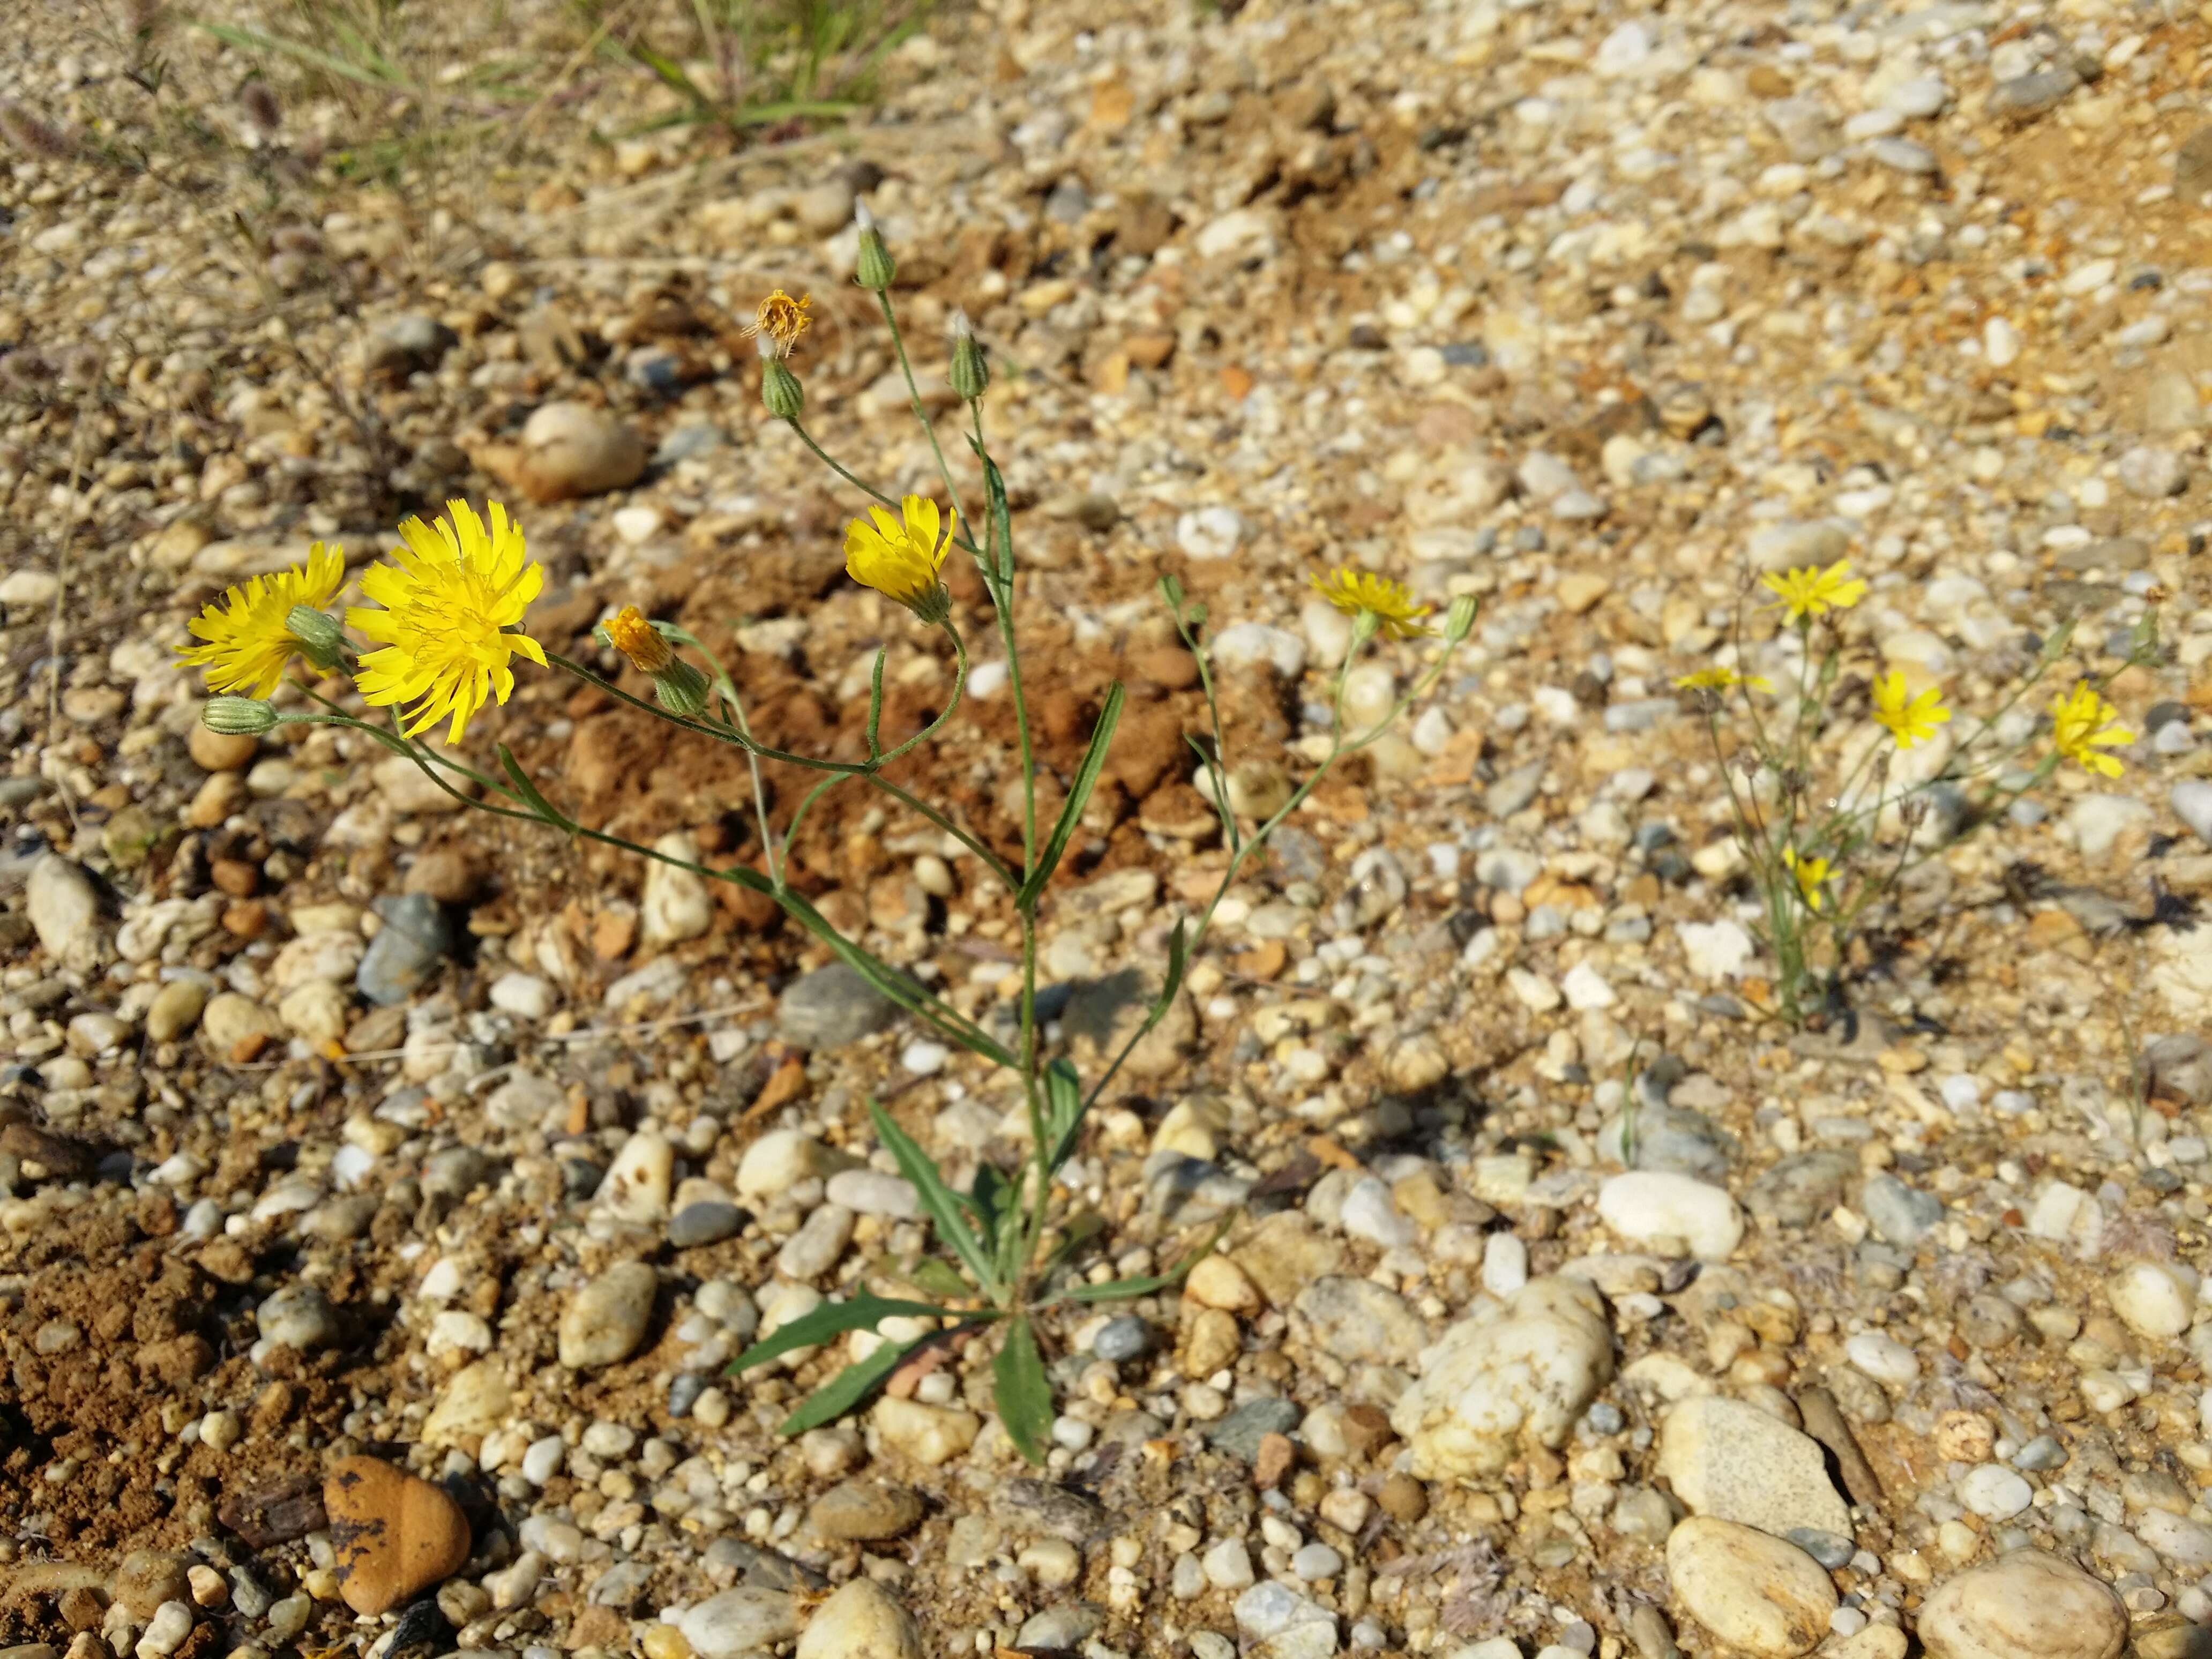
x: 1209, y: 533
x: 1253, y: 645
x: 415, y: 938
x: 146, y: 1579
x: 165, y: 1631
x: 1728, y: 1459
x: 2152, y: 472
x: 606, y: 1318
x: 779, y: 1161
x: 176, y: 1008
x: 572, y: 449
x: 524, y: 995
x: 1358, y: 1320
x: 2027, y: 1605
x: 1227, y: 1565
x: 2153, y: 1298
x: 1759, y: 1594
x: 1994, y: 1492
x: 392, y: 1534
x: 1125, y: 1336
x: 928, y: 1434
x: 877, y: 1192
x: 676, y: 905
x: 298, y: 1317
x: 1369, y: 1214
x: 831, y: 1007
x: 1655, y: 1207
x: 1278, y: 1623
x: 739, y: 1621
x: 1899, y: 1214
x: 1882, y: 1357
x: 1508, y: 1375
x: 65, y: 909
x: 707, y: 1222
x: 864, y: 1511
x: 862, y: 1620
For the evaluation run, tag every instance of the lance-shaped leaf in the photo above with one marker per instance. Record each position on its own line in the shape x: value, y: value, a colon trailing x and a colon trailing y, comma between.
x: 529, y: 791
x: 1021, y: 1391
x: 941, y: 1203
x: 861, y: 1312
x: 849, y: 1387
x: 1078, y: 796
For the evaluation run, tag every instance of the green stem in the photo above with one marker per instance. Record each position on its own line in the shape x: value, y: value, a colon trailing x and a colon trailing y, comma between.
x: 998, y: 580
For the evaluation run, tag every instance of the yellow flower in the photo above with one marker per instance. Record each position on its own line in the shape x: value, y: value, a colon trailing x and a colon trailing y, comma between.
x: 629, y: 633
x: 1811, y: 876
x: 247, y: 641
x: 1910, y: 719
x: 1808, y: 592
x: 782, y: 320
x: 456, y: 589
x: 900, y: 560
x: 1391, y: 604
x: 2082, y: 723
x: 1721, y: 680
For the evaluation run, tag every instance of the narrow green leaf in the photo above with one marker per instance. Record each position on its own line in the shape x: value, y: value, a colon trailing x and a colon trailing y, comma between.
x: 1178, y: 960
x: 938, y: 1199
x: 1079, y: 1230
x: 988, y: 1200
x: 1115, y: 1289
x: 876, y: 703
x: 1023, y: 1395
x: 849, y: 1387
x: 1078, y: 796
x: 995, y: 503
x: 940, y: 1277
x: 1063, y: 1113
x: 900, y: 989
x: 252, y: 40
x: 862, y: 1312
x: 531, y: 796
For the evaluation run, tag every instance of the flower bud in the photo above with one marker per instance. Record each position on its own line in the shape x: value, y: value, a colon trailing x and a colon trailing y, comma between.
x: 875, y: 267
x: 1459, y: 620
x: 682, y: 689
x: 971, y: 373
x: 238, y: 717
x: 1364, y: 623
x: 780, y: 391
x: 322, y: 641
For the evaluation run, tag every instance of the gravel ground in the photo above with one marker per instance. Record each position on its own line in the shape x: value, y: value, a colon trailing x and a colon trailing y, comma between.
x: 383, y: 1190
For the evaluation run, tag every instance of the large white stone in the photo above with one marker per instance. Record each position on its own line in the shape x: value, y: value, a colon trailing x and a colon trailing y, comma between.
x: 862, y: 1620
x: 2153, y: 1298
x: 1514, y: 1372
x: 2025, y: 1605
x: 1650, y: 1206
x: 1759, y: 1596
x: 65, y: 912
x: 677, y: 905
x: 1728, y: 1458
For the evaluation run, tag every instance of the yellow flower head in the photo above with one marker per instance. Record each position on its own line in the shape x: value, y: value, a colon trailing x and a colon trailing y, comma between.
x: 248, y: 643
x: 2082, y: 723
x: 1910, y: 720
x: 1391, y: 604
x: 447, y: 603
x: 629, y: 633
x: 782, y: 320
x: 1811, y: 876
x: 1721, y: 680
x: 1809, y: 591
x: 900, y: 558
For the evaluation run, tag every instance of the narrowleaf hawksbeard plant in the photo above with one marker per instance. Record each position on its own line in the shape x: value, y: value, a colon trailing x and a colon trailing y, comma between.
x: 444, y: 621
x: 1826, y: 837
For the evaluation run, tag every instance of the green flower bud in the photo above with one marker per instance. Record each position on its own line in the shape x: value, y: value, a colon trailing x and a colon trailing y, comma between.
x: 322, y: 641
x: 780, y: 391
x: 875, y: 267
x: 971, y: 373
x: 1459, y: 620
x: 1365, y: 623
x: 682, y: 689
x: 238, y: 717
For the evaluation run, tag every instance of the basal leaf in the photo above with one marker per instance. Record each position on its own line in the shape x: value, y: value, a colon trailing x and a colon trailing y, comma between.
x: 847, y: 1389
x: 942, y: 1205
x: 861, y: 1312
x: 1023, y: 1394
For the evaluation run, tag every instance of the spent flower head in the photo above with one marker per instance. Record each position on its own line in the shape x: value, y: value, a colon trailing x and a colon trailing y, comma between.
x: 457, y: 587
x: 1910, y: 719
x: 1361, y: 593
x: 247, y: 634
x: 628, y: 632
x: 2082, y: 725
x: 778, y: 322
x: 901, y: 557
x: 1810, y: 591
x: 873, y: 268
x: 1812, y: 876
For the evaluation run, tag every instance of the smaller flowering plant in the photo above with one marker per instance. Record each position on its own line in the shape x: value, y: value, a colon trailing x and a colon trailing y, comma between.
x: 1827, y: 835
